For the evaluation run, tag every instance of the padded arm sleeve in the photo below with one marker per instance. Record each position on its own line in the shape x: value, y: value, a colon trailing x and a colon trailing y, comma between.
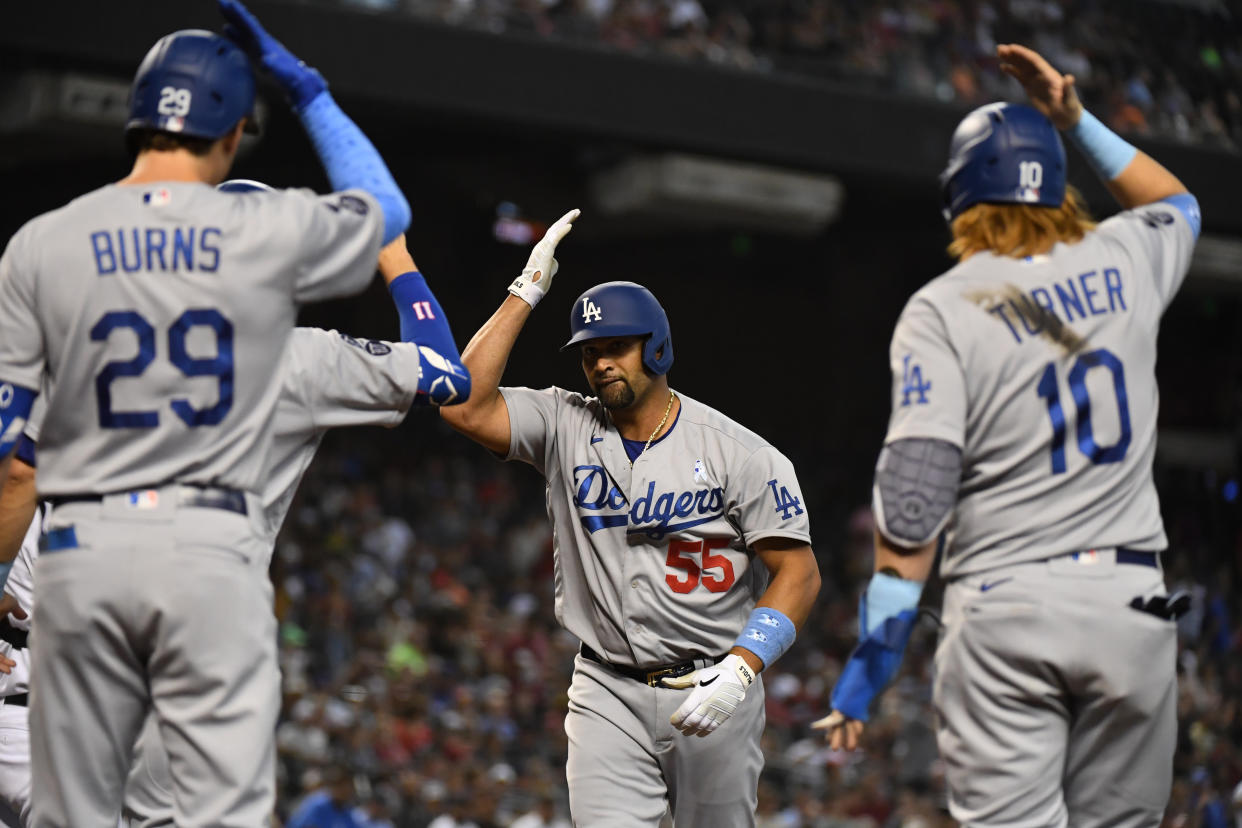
x: 916, y: 484
x: 351, y: 161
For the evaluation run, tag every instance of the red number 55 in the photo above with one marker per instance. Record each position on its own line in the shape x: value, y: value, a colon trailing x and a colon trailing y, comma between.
x: 681, y: 555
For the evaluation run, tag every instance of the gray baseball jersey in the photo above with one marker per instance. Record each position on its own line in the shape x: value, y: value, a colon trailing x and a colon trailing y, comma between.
x: 1042, y: 370
x: 328, y: 380
x: 653, y: 563
x: 161, y: 313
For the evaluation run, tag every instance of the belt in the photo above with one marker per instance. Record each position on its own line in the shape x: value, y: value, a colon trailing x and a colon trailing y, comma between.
x: 648, y: 676
x: 13, y: 635
x: 20, y: 700
x: 188, y: 494
x: 1138, y: 557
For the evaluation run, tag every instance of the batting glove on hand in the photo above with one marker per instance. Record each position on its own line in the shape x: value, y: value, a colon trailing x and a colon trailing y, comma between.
x: 536, y: 278
x: 301, y: 83
x: 717, y: 692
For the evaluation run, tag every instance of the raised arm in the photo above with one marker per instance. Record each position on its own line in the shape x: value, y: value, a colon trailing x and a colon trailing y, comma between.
x: 348, y: 156
x: 485, y: 417
x: 1133, y: 177
x: 443, y: 379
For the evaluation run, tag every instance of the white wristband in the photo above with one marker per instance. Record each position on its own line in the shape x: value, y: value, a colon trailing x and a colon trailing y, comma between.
x: 530, y: 285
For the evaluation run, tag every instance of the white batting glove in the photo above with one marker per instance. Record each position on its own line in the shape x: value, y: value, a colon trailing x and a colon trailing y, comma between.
x: 536, y: 278
x: 717, y: 692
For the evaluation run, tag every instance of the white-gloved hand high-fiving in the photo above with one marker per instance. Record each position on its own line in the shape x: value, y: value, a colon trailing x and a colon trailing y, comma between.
x: 716, y: 693
x: 536, y: 278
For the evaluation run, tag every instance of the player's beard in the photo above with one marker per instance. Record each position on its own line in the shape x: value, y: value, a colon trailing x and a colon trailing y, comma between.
x: 617, y: 394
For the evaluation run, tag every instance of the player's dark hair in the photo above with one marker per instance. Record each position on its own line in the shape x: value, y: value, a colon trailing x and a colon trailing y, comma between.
x: 142, y: 140
x: 1019, y: 230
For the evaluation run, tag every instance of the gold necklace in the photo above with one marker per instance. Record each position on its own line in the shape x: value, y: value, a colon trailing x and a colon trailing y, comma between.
x: 663, y: 420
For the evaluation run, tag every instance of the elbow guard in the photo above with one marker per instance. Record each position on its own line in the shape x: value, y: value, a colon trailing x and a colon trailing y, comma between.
x: 442, y: 381
x: 916, y: 484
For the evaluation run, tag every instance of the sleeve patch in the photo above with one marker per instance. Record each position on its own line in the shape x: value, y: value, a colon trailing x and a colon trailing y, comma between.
x: 372, y: 346
x: 348, y: 202
x: 912, y: 383
x: 787, y: 505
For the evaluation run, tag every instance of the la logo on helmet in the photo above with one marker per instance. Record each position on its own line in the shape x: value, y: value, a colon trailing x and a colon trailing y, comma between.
x: 590, y: 311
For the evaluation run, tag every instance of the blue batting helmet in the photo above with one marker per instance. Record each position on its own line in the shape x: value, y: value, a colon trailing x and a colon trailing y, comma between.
x: 244, y: 185
x: 623, y: 309
x: 192, y: 82
x: 1003, y: 153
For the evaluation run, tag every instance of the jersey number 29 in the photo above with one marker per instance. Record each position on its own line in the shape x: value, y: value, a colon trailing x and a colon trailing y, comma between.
x: 220, y: 366
x: 1049, y: 389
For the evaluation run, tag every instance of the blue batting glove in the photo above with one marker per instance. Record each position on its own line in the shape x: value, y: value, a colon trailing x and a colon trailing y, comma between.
x: 301, y: 83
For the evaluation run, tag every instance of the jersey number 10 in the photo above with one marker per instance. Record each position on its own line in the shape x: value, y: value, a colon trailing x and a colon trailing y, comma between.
x: 1049, y: 389
x: 220, y: 366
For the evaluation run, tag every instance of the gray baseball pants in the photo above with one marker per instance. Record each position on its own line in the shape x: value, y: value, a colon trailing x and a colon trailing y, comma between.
x: 627, y: 765
x: 1057, y: 701
x: 155, y: 607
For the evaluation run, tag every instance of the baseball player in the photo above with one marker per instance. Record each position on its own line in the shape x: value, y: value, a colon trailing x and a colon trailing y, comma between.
x: 161, y: 308
x: 327, y: 380
x: 1023, y: 427
x: 18, y: 500
x: 14, y: 629
x: 668, y: 520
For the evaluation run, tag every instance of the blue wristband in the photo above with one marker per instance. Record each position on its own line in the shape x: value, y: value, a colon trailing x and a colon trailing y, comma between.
x: 351, y: 161
x: 15, y: 404
x: 768, y: 634
x: 1106, y: 151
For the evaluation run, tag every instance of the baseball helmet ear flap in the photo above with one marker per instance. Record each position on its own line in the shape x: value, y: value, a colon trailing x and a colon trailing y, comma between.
x: 623, y: 309
x: 192, y: 82
x: 1003, y: 153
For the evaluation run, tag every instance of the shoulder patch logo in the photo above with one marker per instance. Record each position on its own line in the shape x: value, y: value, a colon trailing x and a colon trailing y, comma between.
x: 912, y: 382
x: 788, y: 505
x: 377, y: 348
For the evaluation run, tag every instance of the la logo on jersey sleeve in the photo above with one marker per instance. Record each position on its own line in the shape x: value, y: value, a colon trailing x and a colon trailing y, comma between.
x: 913, y: 386
x: 786, y: 504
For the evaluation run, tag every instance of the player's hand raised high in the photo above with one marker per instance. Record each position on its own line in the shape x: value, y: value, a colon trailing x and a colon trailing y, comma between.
x: 533, y: 283
x: 301, y: 83
x: 1050, y: 92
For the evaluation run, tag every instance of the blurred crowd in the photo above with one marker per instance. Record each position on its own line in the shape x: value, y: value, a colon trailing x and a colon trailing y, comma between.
x: 1172, y: 68
x: 425, y: 675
